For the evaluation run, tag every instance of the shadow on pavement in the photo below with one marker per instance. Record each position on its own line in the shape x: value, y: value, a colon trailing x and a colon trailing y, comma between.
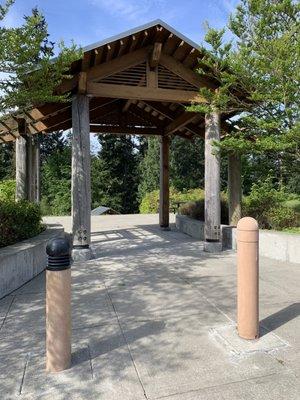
x: 281, y: 317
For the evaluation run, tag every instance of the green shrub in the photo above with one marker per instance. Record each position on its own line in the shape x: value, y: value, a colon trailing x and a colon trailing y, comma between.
x: 294, y: 204
x: 281, y: 217
x: 150, y: 202
x: 193, y: 206
x: 195, y: 209
x: 18, y: 221
x: 273, y: 209
x: 7, y: 190
x: 45, y: 207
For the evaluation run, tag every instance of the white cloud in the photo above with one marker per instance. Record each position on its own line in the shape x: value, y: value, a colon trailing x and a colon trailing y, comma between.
x: 131, y: 9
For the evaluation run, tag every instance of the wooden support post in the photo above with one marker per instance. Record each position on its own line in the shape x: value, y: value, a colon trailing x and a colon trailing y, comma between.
x: 234, y: 189
x: 212, y: 184
x: 21, y: 162
x: 30, y: 169
x: 164, y: 183
x: 35, y: 170
x: 81, y: 179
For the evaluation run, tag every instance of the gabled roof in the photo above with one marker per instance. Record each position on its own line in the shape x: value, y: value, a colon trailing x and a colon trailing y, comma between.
x: 140, y: 28
x: 124, y: 59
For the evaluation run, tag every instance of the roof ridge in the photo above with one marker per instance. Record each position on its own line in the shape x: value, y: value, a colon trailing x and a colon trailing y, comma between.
x: 139, y: 29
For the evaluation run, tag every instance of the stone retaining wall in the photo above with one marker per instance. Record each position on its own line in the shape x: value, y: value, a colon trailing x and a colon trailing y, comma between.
x: 279, y: 246
x: 22, y: 261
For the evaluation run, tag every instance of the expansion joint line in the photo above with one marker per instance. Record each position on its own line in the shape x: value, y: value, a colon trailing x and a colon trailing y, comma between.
x: 125, y: 340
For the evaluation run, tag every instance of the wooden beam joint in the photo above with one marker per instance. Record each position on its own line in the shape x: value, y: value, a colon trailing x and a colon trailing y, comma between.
x: 155, y: 55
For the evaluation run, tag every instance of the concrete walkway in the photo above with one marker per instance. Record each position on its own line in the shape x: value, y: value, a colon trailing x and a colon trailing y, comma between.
x: 154, y: 318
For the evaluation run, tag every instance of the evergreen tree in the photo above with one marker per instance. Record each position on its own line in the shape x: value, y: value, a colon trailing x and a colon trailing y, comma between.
x: 149, y: 169
x: 115, y: 174
x: 7, y: 169
x: 187, y: 163
x: 259, y: 76
x: 29, y: 75
x: 56, y: 181
x: 52, y: 143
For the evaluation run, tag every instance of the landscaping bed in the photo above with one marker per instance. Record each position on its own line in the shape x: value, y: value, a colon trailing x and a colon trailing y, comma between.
x: 20, y: 262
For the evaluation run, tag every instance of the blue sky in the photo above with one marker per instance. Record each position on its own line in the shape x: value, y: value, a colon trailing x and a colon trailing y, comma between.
x: 87, y: 21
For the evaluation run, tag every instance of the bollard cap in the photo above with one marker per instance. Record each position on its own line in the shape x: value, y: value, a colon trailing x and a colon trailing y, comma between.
x: 58, y: 251
x: 247, y: 224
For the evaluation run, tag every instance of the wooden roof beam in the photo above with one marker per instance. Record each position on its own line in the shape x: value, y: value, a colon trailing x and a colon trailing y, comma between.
x: 124, y: 130
x: 147, y: 116
x: 98, y: 55
x: 180, y: 122
x: 124, y: 43
x: 108, y: 68
x: 118, y: 64
x: 85, y: 63
x: 155, y: 55
x: 142, y: 93
x: 185, y: 73
x: 168, y: 113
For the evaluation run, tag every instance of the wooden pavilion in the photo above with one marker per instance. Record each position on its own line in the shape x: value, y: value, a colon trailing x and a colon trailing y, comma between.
x: 137, y: 83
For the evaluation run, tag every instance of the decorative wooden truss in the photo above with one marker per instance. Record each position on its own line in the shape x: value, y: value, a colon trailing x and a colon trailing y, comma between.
x: 138, y: 82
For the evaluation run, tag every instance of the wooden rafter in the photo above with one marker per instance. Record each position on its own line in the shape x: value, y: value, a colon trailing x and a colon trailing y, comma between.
x: 119, y: 64
x: 185, y: 73
x: 147, y: 116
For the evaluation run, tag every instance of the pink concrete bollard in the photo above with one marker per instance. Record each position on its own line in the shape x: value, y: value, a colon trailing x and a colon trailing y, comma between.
x: 247, y: 278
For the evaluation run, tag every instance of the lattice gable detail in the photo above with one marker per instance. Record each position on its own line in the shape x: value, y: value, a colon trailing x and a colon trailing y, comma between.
x: 133, y: 76
x: 137, y: 76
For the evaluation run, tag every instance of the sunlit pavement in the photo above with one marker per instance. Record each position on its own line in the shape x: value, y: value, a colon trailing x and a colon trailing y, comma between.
x: 154, y: 318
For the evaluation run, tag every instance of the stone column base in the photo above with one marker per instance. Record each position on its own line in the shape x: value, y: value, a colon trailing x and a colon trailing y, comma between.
x: 165, y: 228
x: 213, y: 247
x: 84, y: 254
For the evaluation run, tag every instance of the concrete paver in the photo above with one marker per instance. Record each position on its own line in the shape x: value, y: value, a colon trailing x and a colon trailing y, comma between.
x: 145, y: 315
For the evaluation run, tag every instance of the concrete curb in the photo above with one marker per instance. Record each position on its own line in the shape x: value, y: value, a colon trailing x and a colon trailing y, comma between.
x: 22, y: 261
x: 276, y: 245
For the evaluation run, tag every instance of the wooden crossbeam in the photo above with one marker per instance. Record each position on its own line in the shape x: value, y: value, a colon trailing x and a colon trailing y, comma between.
x: 168, y: 113
x: 142, y: 93
x: 124, y: 130
x: 180, y: 122
x: 66, y: 119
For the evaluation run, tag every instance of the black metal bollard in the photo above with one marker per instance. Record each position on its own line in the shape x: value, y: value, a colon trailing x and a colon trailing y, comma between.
x: 58, y: 305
